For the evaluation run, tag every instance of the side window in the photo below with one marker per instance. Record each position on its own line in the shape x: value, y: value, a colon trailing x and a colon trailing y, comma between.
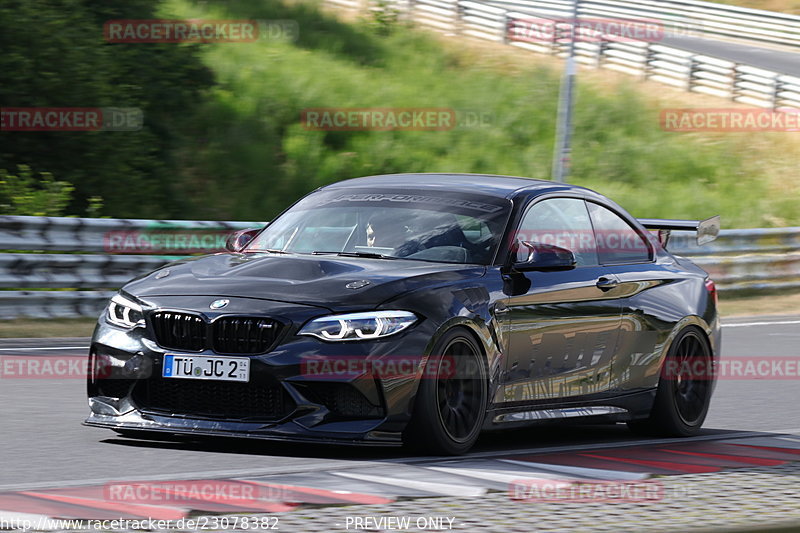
x: 562, y: 222
x: 617, y: 241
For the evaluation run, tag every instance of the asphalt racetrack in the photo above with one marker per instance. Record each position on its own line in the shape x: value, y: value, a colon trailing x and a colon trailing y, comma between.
x: 44, y: 444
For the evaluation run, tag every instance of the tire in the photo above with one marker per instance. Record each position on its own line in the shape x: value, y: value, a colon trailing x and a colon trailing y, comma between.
x: 451, y: 401
x: 682, y: 398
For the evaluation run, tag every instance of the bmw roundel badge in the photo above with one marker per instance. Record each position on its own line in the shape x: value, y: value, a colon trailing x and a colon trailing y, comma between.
x: 219, y: 304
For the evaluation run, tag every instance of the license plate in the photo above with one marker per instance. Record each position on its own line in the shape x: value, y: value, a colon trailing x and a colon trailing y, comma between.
x: 202, y: 367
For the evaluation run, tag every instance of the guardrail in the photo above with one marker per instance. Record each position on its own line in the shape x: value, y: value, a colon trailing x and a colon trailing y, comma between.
x: 94, y: 253
x: 681, y: 17
x: 739, y: 260
x: 510, y: 22
x: 746, y: 260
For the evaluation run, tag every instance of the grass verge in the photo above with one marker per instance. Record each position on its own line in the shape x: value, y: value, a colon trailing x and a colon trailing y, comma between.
x: 250, y: 153
x: 51, y: 327
x: 782, y: 6
x: 785, y: 303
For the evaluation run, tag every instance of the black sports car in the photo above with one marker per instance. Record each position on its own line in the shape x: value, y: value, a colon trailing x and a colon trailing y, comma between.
x: 416, y: 309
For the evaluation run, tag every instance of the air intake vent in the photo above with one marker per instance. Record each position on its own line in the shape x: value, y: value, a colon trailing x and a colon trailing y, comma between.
x: 213, y: 399
x: 343, y: 400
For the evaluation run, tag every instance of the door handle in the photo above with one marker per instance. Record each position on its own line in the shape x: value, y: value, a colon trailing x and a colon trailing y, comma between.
x: 607, y: 283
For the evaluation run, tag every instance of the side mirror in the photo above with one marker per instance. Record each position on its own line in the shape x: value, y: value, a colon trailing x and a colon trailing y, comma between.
x: 545, y: 257
x: 237, y: 240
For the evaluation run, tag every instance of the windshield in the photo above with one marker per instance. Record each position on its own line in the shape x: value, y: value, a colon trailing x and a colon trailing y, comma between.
x: 448, y: 227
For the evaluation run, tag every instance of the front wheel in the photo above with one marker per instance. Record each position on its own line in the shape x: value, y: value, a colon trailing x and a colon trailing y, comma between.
x: 451, y: 400
x: 684, y: 390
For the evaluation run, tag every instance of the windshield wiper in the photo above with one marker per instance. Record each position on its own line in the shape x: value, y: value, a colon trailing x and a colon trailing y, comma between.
x: 369, y: 255
x: 257, y: 251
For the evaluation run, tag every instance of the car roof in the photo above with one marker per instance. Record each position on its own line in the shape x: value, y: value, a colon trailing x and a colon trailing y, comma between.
x: 493, y: 185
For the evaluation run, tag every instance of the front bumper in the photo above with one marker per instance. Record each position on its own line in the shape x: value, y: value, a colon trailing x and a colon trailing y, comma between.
x: 283, y: 400
x: 286, y: 432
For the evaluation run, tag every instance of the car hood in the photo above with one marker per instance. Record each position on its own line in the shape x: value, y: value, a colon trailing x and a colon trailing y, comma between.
x: 326, y: 281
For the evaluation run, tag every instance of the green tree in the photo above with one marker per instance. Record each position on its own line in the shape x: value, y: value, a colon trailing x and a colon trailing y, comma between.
x: 53, y: 54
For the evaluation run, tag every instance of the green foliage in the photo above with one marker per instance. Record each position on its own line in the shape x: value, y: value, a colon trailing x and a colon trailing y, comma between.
x: 223, y: 137
x: 53, y: 54
x: 24, y: 194
x: 256, y: 157
x: 94, y: 207
x: 383, y: 17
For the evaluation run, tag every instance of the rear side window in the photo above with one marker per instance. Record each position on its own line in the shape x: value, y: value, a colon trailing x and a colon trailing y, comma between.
x: 617, y: 241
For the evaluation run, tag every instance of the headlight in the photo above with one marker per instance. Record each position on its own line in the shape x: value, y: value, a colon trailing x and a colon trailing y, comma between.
x: 124, y: 313
x: 357, y: 326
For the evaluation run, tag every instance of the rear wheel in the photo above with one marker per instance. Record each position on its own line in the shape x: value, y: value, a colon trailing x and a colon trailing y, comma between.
x: 684, y: 390
x: 451, y: 401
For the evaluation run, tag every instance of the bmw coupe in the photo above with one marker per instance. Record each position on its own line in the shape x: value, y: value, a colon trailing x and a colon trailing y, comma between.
x: 417, y: 309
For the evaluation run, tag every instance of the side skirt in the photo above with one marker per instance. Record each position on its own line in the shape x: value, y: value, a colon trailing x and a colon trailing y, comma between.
x: 621, y: 408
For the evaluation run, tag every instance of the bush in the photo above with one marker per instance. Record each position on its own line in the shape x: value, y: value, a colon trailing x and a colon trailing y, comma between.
x: 24, y: 194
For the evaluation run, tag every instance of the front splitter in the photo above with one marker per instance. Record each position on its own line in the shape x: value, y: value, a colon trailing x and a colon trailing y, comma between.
x: 282, y: 432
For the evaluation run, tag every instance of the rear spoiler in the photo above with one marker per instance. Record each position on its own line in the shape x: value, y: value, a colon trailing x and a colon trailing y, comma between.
x: 707, y: 230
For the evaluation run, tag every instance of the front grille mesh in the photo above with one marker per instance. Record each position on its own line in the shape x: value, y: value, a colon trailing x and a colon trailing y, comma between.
x: 226, y: 335
x: 236, y: 335
x: 213, y: 399
x: 179, y: 331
